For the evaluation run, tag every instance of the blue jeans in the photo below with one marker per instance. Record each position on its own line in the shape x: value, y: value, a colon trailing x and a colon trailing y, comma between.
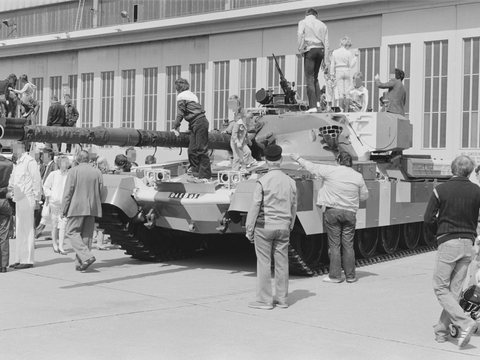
x: 453, y: 258
x: 312, y: 61
x: 340, y: 225
x: 198, y: 148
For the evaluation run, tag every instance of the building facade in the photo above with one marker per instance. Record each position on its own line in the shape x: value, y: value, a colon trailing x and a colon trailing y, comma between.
x: 121, y: 72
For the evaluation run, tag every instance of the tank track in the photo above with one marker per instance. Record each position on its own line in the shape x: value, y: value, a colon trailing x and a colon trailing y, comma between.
x: 128, y: 239
x: 299, y: 267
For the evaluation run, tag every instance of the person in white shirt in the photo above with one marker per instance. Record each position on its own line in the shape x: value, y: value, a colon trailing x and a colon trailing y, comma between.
x: 27, y: 95
x: 358, y: 94
x: 313, y: 44
x: 342, y: 61
x: 26, y: 187
x: 343, y: 189
x: 53, y: 189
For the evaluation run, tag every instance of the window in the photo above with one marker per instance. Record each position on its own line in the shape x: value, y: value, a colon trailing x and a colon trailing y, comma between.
x: 56, y: 87
x: 38, y: 95
x: 399, y: 57
x: 435, y: 97
x: 87, y: 100
x: 197, y: 81
x: 369, y: 66
x: 107, y: 98
x: 248, y: 82
x: 128, y: 98
x: 173, y: 73
x: 72, y: 88
x: 471, y: 91
x: 301, y: 84
x: 221, y: 86
x: 150, y: 89
x: 273, y: 77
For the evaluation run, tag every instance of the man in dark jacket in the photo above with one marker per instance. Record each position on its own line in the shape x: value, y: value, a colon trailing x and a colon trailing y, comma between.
x: 6, y: 168
x: 9, y: 82
x: 56, y: 117
x: 397, y: 96
x: 452, y: 215
x: 188, y: 108
x: 71, y: 116
x: 82, y: 202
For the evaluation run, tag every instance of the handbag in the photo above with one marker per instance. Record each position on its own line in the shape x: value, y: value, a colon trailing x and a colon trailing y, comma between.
x: 46, y: 209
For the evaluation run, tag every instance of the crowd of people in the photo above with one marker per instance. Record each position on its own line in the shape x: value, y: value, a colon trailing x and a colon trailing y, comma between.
x: 53, y: 189
x: 342, y: 92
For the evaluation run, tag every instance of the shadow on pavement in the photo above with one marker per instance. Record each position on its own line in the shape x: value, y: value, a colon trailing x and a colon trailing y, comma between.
x: 298, y: 295
x: 123, y: 278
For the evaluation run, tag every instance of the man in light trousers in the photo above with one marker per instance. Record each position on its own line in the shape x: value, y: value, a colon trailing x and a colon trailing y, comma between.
x: 452, y: 215
x: 269, y: 223
x: 26, y: 187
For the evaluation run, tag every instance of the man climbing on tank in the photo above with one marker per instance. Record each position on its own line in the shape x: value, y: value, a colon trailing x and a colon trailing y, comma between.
x: 189, y: 108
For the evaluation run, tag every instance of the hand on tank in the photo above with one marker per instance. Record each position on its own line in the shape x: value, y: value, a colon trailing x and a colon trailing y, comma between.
x: 175, y: 131
x: 294, y: 156
x: 250, y: 238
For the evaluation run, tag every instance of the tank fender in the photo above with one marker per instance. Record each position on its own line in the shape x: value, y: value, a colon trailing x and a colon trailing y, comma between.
x: 242, y: 197
x: 117, y: 191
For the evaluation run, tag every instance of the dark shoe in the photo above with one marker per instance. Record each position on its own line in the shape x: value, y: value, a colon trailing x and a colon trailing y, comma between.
x: 78, y: 267
x: 14, y: 265
x: 24, y: 266
x: 465, y: 335
x: 63, y: 252
x: 87, y: 263
x: 4, y: 269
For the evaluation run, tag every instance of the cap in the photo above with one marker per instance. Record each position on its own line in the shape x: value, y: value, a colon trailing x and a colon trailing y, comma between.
x: 273, y: 153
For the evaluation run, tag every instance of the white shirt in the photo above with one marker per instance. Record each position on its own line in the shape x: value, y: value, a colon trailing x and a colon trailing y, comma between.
x: 315, y: 33
x: 342, y: 59
x: 343, y: 188
x: 54, y: 187
x: 25, y: 179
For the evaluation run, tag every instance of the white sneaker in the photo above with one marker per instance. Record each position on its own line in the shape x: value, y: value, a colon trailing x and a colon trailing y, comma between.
x: 252, y: 164
x: 203, y: 181
x: 327, y: 279
x: 312, y: 110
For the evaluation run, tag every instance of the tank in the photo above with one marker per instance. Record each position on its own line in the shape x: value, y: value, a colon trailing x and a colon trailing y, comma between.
x: 156, y: 214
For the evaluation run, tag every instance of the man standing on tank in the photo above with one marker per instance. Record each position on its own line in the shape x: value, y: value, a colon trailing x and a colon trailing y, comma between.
x: 452, y: 215
x: 343, y: 189
x: 269, y: 222
x: 56, y: 117
x: 397, y: 96
x: 189, y: 108
x: 81, y: 204
x: 71, y: 116
x: 312, y: 38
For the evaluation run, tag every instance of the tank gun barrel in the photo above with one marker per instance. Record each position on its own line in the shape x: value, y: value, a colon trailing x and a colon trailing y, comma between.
x: 16, y: 129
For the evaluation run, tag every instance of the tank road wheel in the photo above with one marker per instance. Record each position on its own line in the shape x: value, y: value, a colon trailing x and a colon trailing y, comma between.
x: 309, y: 248
x: 427, y: 238
x: 389, y: 238
x: 411, y: 234
x: 155, y: 245
x: 365, y: 242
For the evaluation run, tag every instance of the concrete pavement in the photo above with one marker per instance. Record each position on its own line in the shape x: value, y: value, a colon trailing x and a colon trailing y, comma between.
x: 197, y: 309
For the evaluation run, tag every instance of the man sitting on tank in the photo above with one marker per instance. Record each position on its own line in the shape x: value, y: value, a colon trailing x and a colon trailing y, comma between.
x: 189, y: 108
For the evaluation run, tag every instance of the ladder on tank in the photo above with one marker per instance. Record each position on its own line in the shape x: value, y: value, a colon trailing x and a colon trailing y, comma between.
x: 78, y: 20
